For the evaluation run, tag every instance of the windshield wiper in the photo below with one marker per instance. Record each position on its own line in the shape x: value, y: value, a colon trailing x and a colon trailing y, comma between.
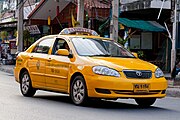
x: 123, y: 56
x: 100, y: 55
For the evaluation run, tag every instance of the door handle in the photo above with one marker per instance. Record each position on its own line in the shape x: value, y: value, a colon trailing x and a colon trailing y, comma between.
x: 49, y: 60
x: 31, y: 57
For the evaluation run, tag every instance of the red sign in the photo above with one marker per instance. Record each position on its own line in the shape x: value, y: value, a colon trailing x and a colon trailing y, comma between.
x: 12, y: 45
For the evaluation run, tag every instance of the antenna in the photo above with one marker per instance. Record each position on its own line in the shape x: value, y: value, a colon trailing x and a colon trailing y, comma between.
x: 168, y: 31
x: 161, y: 9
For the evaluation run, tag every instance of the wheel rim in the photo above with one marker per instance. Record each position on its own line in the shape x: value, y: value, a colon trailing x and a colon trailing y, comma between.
x: 78, y: 91
x: 25, y: 83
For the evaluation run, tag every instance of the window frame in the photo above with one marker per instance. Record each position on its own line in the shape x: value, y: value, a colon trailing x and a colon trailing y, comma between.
x: 37, y: 46
x: 54, y: 49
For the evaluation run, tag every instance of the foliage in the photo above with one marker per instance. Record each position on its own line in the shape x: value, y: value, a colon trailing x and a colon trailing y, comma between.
x: 26, y: 34
x: 15, y: 33
x: 129, y: 35
x: 31, y: 40
x: 140, y: 54
x: 4, y: 35
x: 27, y: 37
x: 12, y: 19
x: 122, y: 41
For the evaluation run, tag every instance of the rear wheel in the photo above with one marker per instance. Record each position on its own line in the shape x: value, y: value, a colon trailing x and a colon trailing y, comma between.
x: 26, y: 85
x: 78, y: 91
x: 145, y: 102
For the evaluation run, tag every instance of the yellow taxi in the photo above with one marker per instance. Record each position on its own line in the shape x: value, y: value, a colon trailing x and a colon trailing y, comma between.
x: 84, y: 65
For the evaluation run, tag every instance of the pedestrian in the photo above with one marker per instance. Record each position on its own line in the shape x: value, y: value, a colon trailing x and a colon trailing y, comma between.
x: 176, y: 69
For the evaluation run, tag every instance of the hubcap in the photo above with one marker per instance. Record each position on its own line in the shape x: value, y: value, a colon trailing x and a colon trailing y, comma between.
x: 25, y: 83
x: 78, y: 91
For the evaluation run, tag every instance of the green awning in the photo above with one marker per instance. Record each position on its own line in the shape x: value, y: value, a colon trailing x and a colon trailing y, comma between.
x: 152, y: 26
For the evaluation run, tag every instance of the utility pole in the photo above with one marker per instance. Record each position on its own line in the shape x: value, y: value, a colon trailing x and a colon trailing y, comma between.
x: 80, y: 13
x: 173, y: 50
x: 20, y: 26
x: 114, y: 22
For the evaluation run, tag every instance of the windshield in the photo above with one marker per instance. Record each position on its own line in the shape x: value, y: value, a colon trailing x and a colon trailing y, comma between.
x: 98, y: 47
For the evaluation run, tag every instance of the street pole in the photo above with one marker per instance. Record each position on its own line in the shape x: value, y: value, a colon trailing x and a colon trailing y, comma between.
x: 114, y: 21
x: 80, y: 13
x: 20, y: 25
x: 173, y: 50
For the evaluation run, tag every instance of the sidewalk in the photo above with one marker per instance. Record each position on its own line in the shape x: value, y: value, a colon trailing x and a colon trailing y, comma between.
x: 7, y: 68
x: 172, y: 91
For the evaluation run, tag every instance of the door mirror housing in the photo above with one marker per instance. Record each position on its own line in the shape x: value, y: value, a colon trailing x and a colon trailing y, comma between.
x: 64, y: 52
x: 135, y: 54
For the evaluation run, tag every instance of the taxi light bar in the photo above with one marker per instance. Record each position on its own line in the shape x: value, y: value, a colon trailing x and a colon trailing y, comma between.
x: 80, y: 30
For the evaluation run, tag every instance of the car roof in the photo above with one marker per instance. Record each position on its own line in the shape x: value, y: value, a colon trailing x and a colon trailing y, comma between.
x: 84, y: 36
x: 75, y: 36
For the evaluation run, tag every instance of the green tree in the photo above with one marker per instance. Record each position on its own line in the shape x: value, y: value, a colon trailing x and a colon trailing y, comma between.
x: 26, y: 37
x: 122, y: 41
x: 4, y: 35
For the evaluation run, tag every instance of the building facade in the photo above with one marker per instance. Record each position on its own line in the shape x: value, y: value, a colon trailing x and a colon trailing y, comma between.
x: 42, y: 17
x: 61, y: 12
x: 154, y: 46
x: 8, y: 27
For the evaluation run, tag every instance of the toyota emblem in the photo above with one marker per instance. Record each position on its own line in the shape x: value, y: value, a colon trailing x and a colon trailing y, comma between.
x: 139, y: 73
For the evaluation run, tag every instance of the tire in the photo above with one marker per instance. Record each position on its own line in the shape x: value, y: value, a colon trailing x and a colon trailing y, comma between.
x: 78, y: 91
x: 145, y: 102
x: 26, y: 86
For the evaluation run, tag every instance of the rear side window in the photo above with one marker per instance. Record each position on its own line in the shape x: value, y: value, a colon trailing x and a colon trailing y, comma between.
x: 43, y: 46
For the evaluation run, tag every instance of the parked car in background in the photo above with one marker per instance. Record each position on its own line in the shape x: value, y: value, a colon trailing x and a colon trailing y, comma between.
x: 91, y: 67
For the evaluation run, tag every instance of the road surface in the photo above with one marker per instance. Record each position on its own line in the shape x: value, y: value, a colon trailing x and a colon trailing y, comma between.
x: 54, y: 106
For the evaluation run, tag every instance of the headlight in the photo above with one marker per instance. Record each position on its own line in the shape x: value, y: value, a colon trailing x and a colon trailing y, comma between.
x: 102, y: 70
x: 159, y: 73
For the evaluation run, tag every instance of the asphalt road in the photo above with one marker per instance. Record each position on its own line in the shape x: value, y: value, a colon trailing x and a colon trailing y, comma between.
x: 54, y: 106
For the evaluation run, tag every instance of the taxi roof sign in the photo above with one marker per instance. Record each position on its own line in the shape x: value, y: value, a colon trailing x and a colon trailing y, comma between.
x: 66, y: 31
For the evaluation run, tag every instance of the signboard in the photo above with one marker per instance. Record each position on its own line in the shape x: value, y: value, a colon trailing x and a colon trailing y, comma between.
x: 33, y: 29
x: 12, y: 45
x: 67, y: 31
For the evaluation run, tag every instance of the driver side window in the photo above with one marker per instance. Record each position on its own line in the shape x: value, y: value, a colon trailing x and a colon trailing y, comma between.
x: 59, y: 44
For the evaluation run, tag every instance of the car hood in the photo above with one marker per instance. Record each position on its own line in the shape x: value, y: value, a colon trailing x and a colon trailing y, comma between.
x: 123, y: 63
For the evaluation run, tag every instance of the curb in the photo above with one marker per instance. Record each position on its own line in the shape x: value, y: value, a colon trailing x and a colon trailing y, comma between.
x: 7, y: 70
x: 173, y: 92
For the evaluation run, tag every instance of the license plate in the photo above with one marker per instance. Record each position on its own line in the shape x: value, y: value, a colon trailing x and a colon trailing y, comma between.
x: 141, y: 88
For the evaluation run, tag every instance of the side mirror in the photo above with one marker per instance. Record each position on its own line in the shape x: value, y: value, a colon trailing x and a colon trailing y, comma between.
x: 64, y: 52
x: 135, y: 54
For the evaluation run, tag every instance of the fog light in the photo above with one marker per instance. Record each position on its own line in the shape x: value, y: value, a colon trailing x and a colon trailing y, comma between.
x: 163, y: 92
x: 104, y: 91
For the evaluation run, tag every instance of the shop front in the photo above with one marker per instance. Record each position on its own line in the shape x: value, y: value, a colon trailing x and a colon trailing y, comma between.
x: 8, y: 46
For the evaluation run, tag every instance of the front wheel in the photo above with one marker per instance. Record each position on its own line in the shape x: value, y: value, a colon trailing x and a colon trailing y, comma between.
x: 145, y: 102
x: 78, y: 91
x: 26, y: 86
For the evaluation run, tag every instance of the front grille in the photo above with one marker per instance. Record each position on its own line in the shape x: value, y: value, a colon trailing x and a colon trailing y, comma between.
x: 131, y: 92
x: 142, y: 74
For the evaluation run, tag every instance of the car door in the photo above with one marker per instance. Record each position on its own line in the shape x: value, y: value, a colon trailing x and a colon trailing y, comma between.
x: 57, y: 68
x: 37, y: 62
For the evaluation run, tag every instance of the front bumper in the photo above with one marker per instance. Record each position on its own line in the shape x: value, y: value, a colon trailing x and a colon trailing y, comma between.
x: 112, y: 87
x: 16, y: 73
